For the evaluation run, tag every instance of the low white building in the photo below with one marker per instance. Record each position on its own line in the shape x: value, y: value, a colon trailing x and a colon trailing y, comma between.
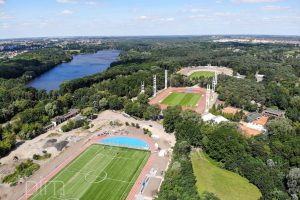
x: 213, y: 118
x: 162, y: 153
x: 208, y: 117
x: 220, y: 119
x: 256, y: 126
x: 259, y: 77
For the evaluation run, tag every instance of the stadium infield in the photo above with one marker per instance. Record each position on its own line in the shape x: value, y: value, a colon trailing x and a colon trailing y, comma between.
x: 206, y: 74
x: 100, y: 172
x: 182, y: 99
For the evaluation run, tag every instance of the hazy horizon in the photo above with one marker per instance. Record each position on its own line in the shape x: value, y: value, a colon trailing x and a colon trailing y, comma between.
x: 120, y: 36
x: 116, y: 18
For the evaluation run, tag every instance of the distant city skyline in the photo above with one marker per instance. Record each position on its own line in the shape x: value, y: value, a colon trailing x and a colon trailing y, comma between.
x: 59, y: 18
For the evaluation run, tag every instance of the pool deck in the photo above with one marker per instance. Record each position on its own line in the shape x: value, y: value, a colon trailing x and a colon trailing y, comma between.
x: 136, y: 144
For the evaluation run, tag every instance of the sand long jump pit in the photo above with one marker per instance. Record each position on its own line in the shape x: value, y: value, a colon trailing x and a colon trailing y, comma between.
x: 107, y: 169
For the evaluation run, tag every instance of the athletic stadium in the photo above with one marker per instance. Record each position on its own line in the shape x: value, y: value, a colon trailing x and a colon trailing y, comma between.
x: 106, y: 167
x: 187, y: 98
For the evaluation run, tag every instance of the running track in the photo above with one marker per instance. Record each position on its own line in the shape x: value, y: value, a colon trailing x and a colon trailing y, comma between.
x: 164, y: 93
x: 134, y: 190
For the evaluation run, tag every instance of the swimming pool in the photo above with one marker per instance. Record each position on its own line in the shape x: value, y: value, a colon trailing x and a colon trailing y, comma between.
x: 126, y: 142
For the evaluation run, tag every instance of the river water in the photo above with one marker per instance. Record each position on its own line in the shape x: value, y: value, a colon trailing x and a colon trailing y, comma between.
x: 80, y: 66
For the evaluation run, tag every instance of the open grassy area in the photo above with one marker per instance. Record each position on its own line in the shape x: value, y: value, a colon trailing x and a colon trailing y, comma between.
x: 101, y: 172
x: 202, y: 74
x: 182, y: 99
x: 223, y: 183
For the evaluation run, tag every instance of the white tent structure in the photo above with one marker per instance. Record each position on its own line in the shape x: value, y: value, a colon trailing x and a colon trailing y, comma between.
x: 213, y: 118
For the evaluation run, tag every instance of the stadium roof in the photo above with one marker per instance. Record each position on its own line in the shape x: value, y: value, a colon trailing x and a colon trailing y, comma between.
x: 253, y: 116
x: 278, y: 112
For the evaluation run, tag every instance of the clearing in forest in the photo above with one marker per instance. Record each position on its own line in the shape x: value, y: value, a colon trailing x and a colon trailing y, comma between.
x: 223, y: 183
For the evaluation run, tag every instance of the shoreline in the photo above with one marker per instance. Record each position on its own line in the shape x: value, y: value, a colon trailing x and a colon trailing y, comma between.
x: 77, y: 70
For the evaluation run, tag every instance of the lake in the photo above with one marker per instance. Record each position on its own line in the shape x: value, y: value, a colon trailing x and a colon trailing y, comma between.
x: 80, y: 66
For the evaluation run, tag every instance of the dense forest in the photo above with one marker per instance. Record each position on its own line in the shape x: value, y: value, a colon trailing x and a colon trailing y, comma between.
x: 32, y: 64
x: 271, y: 161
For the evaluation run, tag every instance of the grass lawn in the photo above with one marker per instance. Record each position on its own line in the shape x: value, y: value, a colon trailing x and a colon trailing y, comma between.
x: 100, y: 172
x: 182, y: 99
x: 206, y: 74
x: 223, y: 183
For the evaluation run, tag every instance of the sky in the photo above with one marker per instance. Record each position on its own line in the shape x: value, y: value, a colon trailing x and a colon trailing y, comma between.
x: 51, y: 18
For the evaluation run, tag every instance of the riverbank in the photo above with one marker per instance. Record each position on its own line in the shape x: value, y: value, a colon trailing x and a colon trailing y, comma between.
x: 33, y: 63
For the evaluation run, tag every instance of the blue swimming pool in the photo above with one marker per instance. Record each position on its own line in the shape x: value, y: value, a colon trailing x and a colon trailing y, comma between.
x: 125, y: 142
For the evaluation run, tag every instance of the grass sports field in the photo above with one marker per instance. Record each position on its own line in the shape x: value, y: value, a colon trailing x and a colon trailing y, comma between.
x: 182, y: 99
x: 100, y: 172
x: 202, y: 74
x: 223, y: 183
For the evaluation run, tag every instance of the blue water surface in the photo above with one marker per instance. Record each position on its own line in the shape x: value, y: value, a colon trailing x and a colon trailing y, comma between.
x: 81, y: 65
x: 126, y: 141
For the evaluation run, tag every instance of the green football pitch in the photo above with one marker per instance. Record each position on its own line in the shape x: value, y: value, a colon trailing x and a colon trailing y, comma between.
x: 182, y: 99
x: 206, y: 74
x: 100, y: 172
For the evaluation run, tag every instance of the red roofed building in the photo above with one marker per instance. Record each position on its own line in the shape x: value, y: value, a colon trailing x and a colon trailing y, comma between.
x: 249, y: 132
x: 261, y: 121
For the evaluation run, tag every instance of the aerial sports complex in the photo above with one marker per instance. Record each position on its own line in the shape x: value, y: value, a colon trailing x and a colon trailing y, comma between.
x: 106, y: 167
x: 132, y: 166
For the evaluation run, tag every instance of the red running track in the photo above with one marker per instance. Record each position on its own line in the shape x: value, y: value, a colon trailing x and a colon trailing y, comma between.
x: 93, y: 140
x: 163, y: 94
x: 139, y: 181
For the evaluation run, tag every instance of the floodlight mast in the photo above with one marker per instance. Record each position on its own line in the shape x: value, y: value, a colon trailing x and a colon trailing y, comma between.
x: 214, y: 84
x: 207, y: 98
x: 142, y: 87
x: 154, y: 86
x: 166, y: 79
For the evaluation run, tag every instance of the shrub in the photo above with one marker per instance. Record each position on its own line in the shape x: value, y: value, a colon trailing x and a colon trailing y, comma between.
x: 137, y: 125
x: 24, y: 169
x: 39, y: 157
x: 73, y: 124
x: 146, y: 131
